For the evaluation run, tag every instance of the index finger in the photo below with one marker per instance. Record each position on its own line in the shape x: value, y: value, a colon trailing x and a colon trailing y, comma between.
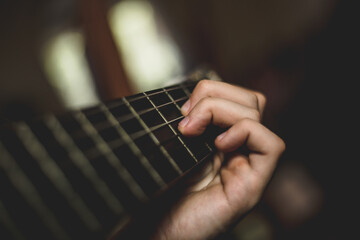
x: 241, y: 95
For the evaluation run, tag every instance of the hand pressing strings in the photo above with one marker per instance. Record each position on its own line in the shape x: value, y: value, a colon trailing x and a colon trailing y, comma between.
x: 236, y: 181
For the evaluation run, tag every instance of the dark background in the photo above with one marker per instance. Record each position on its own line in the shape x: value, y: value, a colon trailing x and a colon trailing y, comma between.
x: 301, y: 54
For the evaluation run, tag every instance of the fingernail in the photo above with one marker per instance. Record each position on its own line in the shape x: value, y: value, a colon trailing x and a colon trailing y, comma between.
x: 185, y: 108
x: 183, y: 122
x: 221, y: 136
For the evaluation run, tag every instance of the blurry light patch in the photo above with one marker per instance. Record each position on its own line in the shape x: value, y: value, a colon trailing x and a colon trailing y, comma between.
x: 68, y: 71
x: 150, y: 58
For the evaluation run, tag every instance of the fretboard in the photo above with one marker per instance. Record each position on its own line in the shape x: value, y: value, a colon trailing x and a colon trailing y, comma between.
x: 77, y: 175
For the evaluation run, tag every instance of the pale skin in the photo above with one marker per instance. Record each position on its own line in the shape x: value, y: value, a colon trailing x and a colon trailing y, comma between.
x: 235, y: 182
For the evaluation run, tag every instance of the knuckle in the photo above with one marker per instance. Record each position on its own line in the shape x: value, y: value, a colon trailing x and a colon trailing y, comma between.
x: 255, y: 114
x: 203, y: 85
x: 205, y: 102
x: 278, y: 145
x: 261, y: 98
x: 253, y: 99
x: 281, y: 145
x: 245, y: 123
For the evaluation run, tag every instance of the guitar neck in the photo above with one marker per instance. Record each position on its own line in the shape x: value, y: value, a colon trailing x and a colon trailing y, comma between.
x: 79, y: 174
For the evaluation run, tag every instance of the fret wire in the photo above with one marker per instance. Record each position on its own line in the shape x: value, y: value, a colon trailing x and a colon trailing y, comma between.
x: 181, y: 85
x: 180, y: 139
x: 162, y: 90
x: 80, y: 160
x: 172, y: 99
x: 134, y: 136
x: 140, y: 113
x: 104, y: 125
x: 156, y: 141
x: 5, y: 219
x: 144, y: 161
x: 152, y: 129
x: 139, y: 134
x: 142, y: 133
x: 40, y: 153
x: 117, y: 103
x: 188, y: 94
x: 161, y: 105
x: 143, y: 124
x: 23, y: 184
x: 111, y: 157
x: 55, y: 174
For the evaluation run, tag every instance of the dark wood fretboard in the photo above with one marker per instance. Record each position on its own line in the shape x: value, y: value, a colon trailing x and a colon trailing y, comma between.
x: 77, y: 175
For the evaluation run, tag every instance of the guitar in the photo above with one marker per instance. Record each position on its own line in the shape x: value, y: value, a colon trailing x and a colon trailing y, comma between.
x: 84, y: 174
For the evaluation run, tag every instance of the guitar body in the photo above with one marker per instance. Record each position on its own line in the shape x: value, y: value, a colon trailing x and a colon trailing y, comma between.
x: 88, y: 174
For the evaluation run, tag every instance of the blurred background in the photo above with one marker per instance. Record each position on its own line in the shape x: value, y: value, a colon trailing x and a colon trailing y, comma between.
x: 57, y: 55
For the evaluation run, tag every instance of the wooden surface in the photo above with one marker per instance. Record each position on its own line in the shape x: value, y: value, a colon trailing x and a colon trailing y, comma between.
x: 104, y: 59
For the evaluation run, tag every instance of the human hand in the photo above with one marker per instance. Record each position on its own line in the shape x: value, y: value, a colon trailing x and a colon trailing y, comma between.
x: 235, y: 181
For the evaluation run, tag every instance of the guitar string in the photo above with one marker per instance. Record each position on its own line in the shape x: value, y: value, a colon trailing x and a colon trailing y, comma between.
x: 24, y: 186
x: 105, y: 124
x: 139, y: 134
x: 130, y: 116
x: 152, y: 93
x: 77, y: 135
x: 134, y: 136
x: 118, y: 102
x: 117, y: 143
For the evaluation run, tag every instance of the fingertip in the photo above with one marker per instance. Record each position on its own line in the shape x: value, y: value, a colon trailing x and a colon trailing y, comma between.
x: 220, y: 140
x: 221, y: 136
x: 182, y: 124
x: 186, y: 107
x: 281, y: 145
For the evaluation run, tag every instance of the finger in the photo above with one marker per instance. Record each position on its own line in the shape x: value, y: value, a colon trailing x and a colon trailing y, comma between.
x: 264, y: 146
x: 208, y: 88
x: 217, y: 111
